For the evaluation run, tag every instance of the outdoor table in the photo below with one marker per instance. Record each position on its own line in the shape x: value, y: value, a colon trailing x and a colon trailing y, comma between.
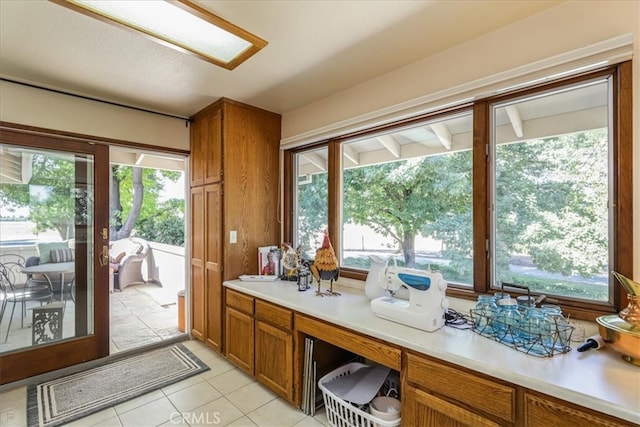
x: 48, y: 269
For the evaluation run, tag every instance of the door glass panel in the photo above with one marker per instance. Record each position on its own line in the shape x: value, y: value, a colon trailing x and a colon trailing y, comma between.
x: 46, y: 246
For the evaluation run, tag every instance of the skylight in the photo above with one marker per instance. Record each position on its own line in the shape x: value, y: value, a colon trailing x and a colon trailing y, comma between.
x: 180, y: 24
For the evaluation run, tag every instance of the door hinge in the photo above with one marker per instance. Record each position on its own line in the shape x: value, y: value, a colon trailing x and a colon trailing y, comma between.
x: 486, y: 247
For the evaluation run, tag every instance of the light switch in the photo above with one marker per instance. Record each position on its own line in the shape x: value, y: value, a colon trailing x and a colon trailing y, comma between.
x: 233, y: 236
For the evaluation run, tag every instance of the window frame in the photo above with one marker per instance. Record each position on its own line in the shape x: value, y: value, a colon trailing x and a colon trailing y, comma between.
x: 622, y: 176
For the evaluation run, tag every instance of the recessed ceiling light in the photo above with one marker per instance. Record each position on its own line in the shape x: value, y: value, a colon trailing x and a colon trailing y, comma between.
x: 179, y: 24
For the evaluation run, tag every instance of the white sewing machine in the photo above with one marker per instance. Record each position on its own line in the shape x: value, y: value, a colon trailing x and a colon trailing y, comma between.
x: 427, y: 302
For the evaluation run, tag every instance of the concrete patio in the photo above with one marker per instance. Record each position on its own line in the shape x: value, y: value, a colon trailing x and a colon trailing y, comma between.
x: 142, y: 314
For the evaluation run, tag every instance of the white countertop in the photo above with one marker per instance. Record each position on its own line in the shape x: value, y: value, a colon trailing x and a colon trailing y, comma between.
x: 599, y: 380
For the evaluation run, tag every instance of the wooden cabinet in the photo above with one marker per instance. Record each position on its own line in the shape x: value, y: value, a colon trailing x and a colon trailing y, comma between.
x: 213, y: 266
x: 441, y: 394
x: 259, y: 340
x: 265, y: 340
x: 206, y: 147
x: 424, y: 409
x: 206, y: 275
x: 196, y: 275
x: 543, y: 411
x: 239, y: 339
x: 234, y: 188
x: 239, y: 330
x: 445, y: 392
x: 274, y: 348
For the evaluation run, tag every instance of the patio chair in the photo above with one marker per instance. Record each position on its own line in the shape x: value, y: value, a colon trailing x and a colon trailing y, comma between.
x: 8, y: 257
x: 128, y: 270
x: 13, y: 289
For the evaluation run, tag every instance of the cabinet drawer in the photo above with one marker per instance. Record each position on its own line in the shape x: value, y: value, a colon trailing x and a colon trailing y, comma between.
x: 274, y: 315
x: 465, y: 387
x: 240, y: 301
x: 541, y: 412
x: 365, y: 346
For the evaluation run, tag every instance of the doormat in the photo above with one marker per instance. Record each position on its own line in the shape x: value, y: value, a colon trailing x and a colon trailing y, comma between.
x: 69, y: 398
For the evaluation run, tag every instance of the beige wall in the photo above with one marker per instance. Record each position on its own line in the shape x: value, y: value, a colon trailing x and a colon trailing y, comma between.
x: 568, y: 27
x: 36, y: 107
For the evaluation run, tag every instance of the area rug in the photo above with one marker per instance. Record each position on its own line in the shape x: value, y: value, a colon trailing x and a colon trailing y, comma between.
x: 68, y: 398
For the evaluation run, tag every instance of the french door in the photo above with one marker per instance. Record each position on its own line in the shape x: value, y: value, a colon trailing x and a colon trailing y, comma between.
x: 54, y: 197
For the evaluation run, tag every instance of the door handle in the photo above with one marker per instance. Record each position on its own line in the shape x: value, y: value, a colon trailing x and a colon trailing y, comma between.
x: 103, y: 258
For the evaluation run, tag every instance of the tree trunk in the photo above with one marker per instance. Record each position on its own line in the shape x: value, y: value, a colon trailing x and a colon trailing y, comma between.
x: 408, y: 249
x: 138, y: 193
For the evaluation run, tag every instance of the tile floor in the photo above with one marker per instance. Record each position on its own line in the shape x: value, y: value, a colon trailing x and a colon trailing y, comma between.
x: 222, y: 396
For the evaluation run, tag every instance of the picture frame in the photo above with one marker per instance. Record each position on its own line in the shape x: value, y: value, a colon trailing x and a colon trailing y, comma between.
x: 269, y: 261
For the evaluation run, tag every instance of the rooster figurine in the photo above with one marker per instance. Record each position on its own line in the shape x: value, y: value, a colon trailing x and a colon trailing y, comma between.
x: 325, y: 266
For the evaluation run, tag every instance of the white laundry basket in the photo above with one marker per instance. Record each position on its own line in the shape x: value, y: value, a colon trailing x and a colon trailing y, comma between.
x: 341, y: 413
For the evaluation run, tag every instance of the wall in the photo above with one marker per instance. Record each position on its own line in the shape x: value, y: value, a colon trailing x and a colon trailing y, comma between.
x: 568, y: 27
x: 36, y: 107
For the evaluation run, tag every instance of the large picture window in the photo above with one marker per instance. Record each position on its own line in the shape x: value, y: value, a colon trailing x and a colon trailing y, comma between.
x: 407, y: 195
x: 551, y: 191
x: 311, y: 202
x: 531, y: 186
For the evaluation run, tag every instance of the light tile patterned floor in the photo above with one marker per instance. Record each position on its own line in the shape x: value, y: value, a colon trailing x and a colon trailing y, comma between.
x: 223, y: 396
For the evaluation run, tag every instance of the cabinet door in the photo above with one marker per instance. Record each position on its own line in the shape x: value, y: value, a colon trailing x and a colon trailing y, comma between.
x: 425, y: 410
x: 542, y: 412
x: 251, y: 158
x: 206, y: 147
x: 274, y: 359
x: 213, y: 147
x: 197, y: 276
x: 198, y: 153
x: 213, y: 265
x: 239, y: 338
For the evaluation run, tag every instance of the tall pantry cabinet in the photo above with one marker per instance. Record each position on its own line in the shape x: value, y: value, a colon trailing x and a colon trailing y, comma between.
x: 234, y: 204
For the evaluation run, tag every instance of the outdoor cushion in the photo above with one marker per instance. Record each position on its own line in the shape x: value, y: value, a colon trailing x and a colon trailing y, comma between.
x: 62, y: 255
x: 44, y: 250
x: 119, y: 257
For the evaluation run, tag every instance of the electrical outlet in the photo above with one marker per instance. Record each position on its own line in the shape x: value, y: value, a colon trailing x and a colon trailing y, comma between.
x: 233, y: 236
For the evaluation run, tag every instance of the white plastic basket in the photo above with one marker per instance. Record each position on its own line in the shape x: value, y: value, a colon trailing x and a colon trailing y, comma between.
x: 341, y: 413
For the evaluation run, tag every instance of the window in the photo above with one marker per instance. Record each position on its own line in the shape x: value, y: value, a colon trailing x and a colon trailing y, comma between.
x: 311, y: 201
x: 551, y: 191
x: 408, y: 195
x: 532, y: 186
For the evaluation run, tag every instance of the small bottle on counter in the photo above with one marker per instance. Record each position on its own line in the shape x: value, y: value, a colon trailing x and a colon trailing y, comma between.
x: 558, y: 339
x: 483, y: 312
x: 507, y: 322
x: 533, y: 330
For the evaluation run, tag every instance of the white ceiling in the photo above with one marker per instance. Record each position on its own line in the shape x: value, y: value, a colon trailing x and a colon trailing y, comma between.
x: 316, y: 48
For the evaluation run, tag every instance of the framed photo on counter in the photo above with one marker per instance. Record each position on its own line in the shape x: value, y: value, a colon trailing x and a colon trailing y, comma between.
x: 269, y: 261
